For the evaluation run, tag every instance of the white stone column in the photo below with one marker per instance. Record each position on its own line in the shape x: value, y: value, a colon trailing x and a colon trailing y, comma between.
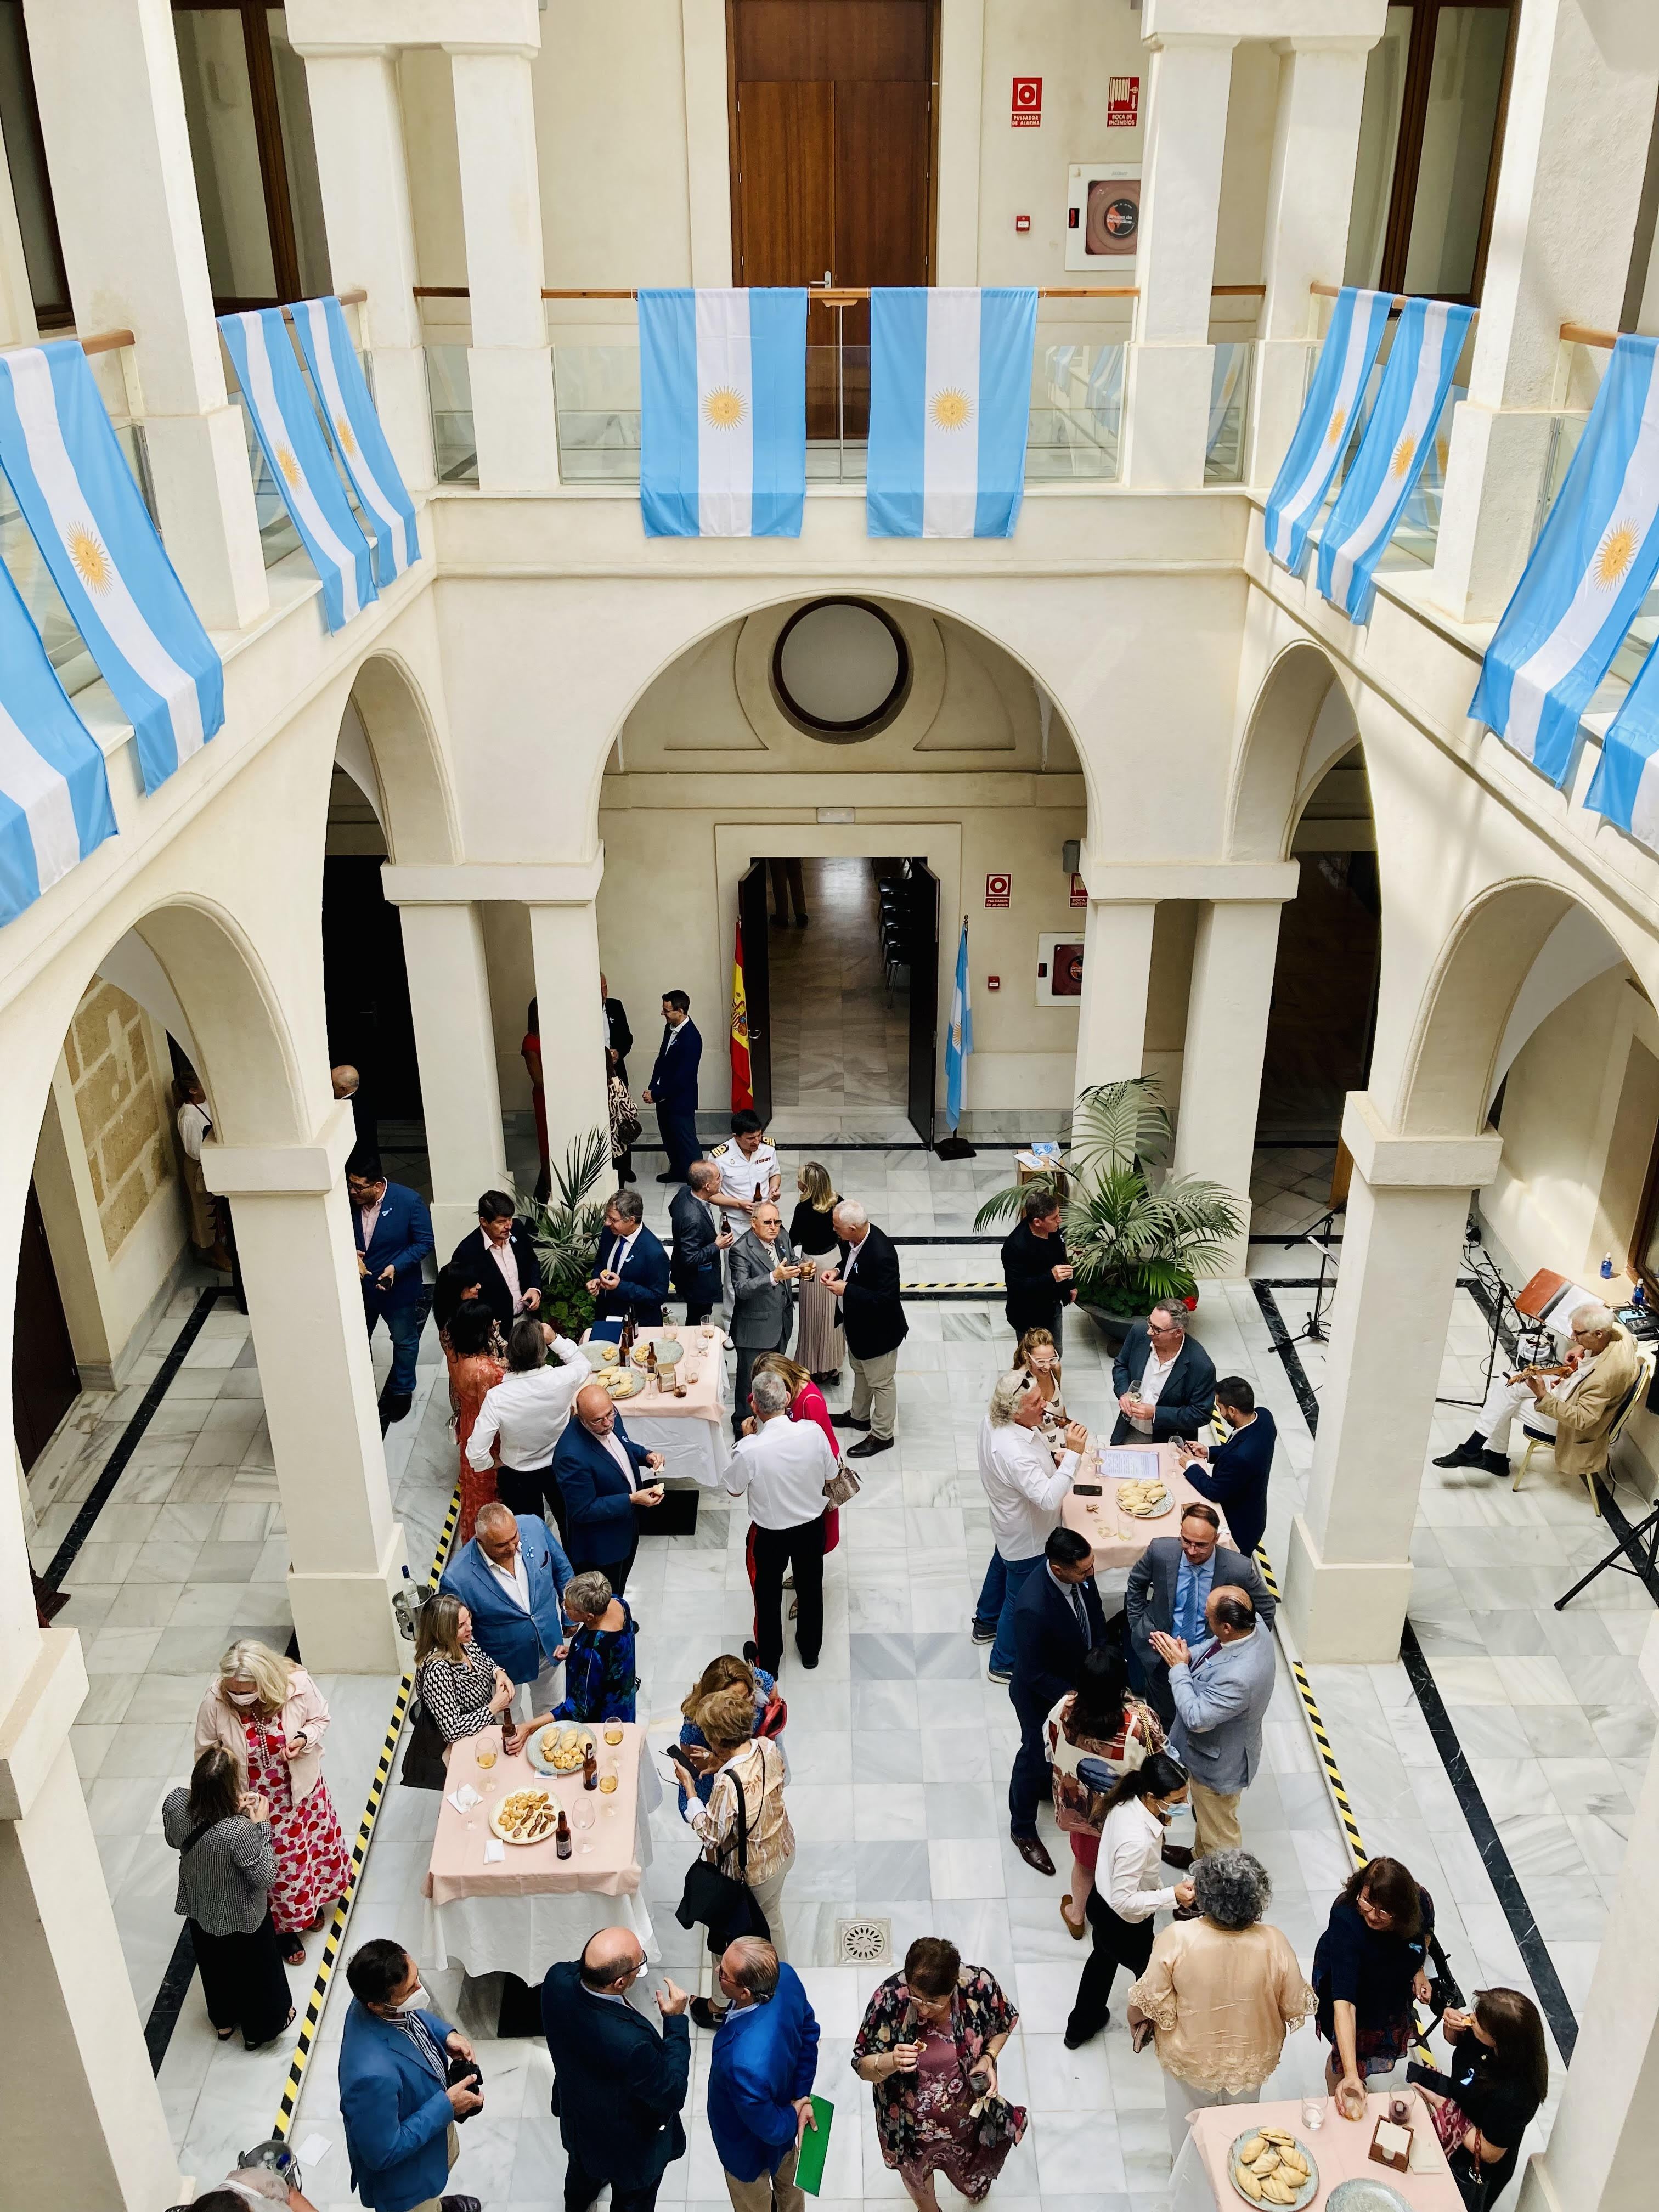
x: 1117, y: 966
x: 113, y: 117
x: 1233, y: 988
x: 1581, y: 105
x: 1322, y: 86
x: 81, y: 2123
x: 1170, y: 359
x: 708, y: 141
x: 455, y: 1045
x: 299, y: 1270
x: 1349, y: 1571
x: 1602, y: 2150
x: 510, y: 362
x: 961, y: 130
x: 564, y: 945
x: 357, y: 124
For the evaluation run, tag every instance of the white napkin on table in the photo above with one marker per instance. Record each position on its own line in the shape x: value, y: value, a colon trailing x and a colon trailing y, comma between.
x: 465, y: 1798
x: 495, y: 1850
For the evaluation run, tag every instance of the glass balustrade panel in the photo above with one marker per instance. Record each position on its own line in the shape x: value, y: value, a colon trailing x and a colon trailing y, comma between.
x: 449, y: 394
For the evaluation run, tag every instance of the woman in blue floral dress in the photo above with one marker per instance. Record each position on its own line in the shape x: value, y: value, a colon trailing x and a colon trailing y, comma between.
x: 599, y: 1678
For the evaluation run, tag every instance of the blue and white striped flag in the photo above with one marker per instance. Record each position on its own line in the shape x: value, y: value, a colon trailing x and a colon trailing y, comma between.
x: 1589, y: 573
x: 722, y: 413
x: 959, y: 1037
x: 1357, y: 322
x: 1421, y: 364
x: 54, y: 795
x: 1626, y: 786
x: 90, y: 520
x: 949, y: 402
x: 301, y: 465
x: 336, y: 378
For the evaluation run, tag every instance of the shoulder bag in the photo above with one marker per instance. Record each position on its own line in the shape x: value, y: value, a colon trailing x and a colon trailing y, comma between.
x: 424, y: 1766
x: 626, y: 1127
x: 724, y: 1903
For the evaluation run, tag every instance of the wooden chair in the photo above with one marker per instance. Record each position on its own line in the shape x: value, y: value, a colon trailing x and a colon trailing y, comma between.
x: 1637, y: 1395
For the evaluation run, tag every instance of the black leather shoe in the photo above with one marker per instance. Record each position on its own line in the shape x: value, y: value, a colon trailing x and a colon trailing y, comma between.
x: 1470, y: 1454
x: 1035, y: 1852
x: 459, y: 2204
x: 1494, y: 1463
x: 871, y: 1446
x: 1075, y: 2036
x: 847, y: 1421
x: 707, y: 2014
x: 751, y: 1652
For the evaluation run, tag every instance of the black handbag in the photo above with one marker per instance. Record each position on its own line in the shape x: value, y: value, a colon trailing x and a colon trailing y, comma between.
x: 724, y: 1904
x: 424, y: 1766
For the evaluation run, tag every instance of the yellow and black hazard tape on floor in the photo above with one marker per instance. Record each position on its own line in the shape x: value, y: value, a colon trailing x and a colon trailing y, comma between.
x: 919, y: 1290
x: 1315, y: 1720
x: 311, y: 2018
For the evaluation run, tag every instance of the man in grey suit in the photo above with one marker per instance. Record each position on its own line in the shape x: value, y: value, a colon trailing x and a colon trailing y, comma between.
x: 1221, y: 1687
x: 765, y: 1272
x: 1168, y: 1590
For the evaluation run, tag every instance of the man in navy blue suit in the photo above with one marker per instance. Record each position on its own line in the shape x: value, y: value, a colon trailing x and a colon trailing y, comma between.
x: 672, y: 1088
x: 618, y: 2086
x: 393, y: 1232
x: 630, y: 1275
x: 597, y: 1462
x: 1238, y: 1471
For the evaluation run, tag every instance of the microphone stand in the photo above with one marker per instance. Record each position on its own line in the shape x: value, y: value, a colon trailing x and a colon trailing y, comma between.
x: 1490, y: 1280
x: 1318, y: 1235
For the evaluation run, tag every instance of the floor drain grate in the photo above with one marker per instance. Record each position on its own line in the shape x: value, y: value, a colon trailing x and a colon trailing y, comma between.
x: 863, y: 1943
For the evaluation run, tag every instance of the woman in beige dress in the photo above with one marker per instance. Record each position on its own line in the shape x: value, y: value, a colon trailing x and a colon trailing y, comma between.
x: 820, y: 1344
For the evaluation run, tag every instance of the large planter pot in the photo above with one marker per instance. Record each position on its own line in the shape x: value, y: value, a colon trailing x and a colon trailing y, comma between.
x: 1114, y: 1327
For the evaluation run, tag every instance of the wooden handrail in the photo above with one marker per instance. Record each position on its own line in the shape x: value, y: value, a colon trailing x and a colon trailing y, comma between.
x: 1586, y: 334
x: 107, y: 342
x: 845, y: 295
x: 1331, y: 291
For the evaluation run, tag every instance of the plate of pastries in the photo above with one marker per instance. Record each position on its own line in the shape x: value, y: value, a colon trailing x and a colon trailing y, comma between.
x: 1268, y: 2165
x: 559, y: 1750
x: 1143, y: 1501
x: 669, y: 1354
x: 527, y: 1816
x: 620, y: 1382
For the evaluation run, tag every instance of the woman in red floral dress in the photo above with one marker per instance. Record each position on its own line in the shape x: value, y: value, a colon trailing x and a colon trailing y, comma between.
x: 473, y: 1370
x: 271, y: 1717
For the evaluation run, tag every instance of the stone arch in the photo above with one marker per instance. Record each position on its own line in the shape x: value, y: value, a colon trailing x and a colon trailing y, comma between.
x: 415, y: 799
x: 1276, y: 768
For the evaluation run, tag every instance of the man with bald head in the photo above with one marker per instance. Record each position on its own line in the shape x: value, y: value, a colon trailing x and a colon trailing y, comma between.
x: 760, y: 2077
x: 1221, y: 1685
x: 618, y: 2086
x: 597, y: 1465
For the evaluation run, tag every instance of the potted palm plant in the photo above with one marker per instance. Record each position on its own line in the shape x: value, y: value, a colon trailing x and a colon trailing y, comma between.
x: 1130, y: 1244
x: 566, y: 1229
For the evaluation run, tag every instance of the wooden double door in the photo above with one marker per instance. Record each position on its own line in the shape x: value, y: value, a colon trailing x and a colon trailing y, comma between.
x: 832, y: 138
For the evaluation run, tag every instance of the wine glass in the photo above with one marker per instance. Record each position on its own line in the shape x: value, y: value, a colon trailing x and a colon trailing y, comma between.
x: 582, y: 1821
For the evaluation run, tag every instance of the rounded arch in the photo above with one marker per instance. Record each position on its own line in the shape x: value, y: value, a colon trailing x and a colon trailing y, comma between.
x: 1300, y: 721
x: 415, y: 800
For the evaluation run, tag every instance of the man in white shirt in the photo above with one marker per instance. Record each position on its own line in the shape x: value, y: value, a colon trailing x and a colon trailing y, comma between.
x: 1024, y: 1490
x: 783, y: 1464
x: 527, y: 1411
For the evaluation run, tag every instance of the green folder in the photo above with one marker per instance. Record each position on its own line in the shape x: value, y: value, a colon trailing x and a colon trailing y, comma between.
x: 815, y: 2148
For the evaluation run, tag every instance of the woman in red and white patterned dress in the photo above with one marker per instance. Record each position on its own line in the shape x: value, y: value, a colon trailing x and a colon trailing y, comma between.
x: 271, y: 1717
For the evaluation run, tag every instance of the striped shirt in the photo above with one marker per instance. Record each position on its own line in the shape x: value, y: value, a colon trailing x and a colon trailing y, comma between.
x: 224, y: 1881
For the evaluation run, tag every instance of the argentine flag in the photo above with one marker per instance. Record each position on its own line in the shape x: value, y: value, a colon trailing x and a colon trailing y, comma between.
x: 54, y: 795
x: 722, y: 413
x: 1357, y: 322
x: 1398, y: 437
x: 301, y: 465
x: 950, y: 402
x: 87, y: 516
x: 1626, y: 786
x: 336, y: 378
x: 959, y: 1037
x: 1589, y: 573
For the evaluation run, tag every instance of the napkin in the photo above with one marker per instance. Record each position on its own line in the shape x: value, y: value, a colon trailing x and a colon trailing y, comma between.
x: 313, y: 2150
x: 465, y: 1798
x: 1425, y: 2154
x: 495, y: 1850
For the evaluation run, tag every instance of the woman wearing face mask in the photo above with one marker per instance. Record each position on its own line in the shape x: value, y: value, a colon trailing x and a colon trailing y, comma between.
x: 227, y: 1867
x: 271, y: 1717
x: 1127, y: 1891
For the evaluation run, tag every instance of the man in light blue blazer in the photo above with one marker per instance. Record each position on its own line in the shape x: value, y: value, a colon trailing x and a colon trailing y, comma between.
x: 1221, y: 1687
x: 511, y: 1578
x: 398, y: 2110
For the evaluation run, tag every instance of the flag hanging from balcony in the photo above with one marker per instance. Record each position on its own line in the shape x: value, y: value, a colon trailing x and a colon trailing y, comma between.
x: 336, y: 378
x: 1422, y: 362
x: 743, y: 1087
x: 87, y: 516
x: 722, y: 413
x: 1357, y: 322
x: 54, y: 795
x: 1626, y: 786
x: 1589, y: 572
x: 950, y: 404
x: 302, y: 466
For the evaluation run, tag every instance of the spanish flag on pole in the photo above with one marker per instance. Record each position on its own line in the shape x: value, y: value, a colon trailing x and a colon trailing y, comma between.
x: 742, y: 1092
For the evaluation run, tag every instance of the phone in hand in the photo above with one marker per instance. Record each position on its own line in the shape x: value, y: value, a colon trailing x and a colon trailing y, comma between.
x: 1086, y: 1489
x: 678, y: 1753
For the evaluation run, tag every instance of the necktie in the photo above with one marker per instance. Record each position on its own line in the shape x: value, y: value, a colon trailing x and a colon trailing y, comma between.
x: 1184, y: 1626
x: 1081, y: 1611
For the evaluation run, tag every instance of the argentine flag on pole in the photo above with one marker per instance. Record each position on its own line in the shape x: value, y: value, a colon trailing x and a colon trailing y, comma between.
x: 1626, y: 786
x: 722, y: 413
x: 90, y: 520
x: 949, y: 401
x: 1398, y: 437
x: 54, y: 795
x: 959, y: 1037
x: 1357, y: 322
x: 1589, y: 573
x: 301, y: 465
x: 336, y: 378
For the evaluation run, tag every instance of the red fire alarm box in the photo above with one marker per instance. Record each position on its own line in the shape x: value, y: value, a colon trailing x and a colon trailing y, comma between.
x: 1021, y: 223
x: 993, y: 982
x: 1027, y: 103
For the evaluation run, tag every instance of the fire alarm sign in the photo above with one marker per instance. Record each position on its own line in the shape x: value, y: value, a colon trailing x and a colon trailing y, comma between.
x: 1124, y: 103
x: 1028, y: 103
x: 997, y: 889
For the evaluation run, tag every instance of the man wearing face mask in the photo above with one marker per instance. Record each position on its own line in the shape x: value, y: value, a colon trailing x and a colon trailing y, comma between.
x: 398, y: 2108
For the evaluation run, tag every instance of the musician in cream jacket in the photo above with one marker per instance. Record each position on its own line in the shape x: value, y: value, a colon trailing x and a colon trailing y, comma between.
x: 1577, y: 1408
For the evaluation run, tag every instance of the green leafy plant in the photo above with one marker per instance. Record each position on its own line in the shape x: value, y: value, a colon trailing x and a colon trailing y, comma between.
x: 1130, y: 1244
x: 565, y: 1227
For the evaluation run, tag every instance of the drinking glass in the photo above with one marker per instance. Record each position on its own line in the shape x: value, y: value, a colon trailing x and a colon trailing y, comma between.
x: 582, y: 1821
x: 613, y: 1728
x: 1313, y: 2114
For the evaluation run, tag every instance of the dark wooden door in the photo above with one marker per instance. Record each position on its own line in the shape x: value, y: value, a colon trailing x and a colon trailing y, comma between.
x: 45, y: 1380
x: 832, y: 164
x: 753, y: 921
x: 923, y: 902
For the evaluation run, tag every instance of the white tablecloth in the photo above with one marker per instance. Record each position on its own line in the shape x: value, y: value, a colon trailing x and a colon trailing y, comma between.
x: 694, y: 1451
x: 524, y: 1935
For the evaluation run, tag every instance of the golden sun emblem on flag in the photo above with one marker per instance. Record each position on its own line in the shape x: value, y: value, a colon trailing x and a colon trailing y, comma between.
x: 92, y: 563
x: 1614, y: 555
x: 1404, y: 454
x: 343, y: 432
x: 287, y: 465
x: 1338, y: 423
x: 951, y: 408
x: 722, y: 408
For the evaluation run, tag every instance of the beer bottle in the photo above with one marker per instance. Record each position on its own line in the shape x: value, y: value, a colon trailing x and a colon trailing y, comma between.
x: 591, y: 1769
x: 561, y: 1836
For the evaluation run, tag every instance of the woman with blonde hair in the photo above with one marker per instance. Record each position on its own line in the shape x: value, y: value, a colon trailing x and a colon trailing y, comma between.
x: 741, y: 1764
x: 727, y: 1672
x: 1038, y: 1355
x: 819, y: 1338
x: 271, y: 1717
x: 458, y: 1681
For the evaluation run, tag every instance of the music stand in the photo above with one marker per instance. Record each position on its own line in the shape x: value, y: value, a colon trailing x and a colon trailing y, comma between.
x: 1318, y: 1235
x: 1489, y: 1276
x: 1636, y: 1554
